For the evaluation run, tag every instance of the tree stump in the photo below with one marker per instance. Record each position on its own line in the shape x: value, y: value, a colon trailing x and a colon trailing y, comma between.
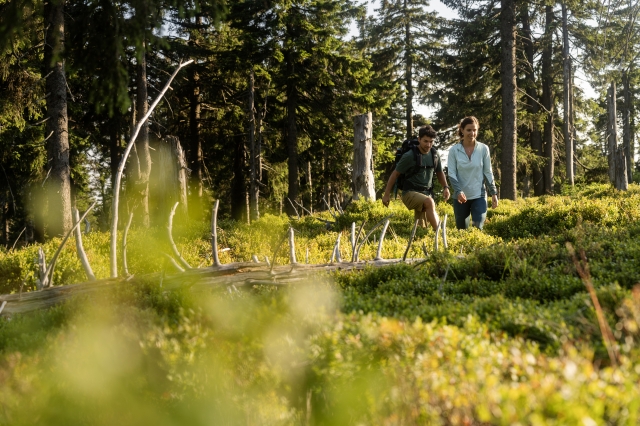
x: 172, y: 176
x: 363, y: 181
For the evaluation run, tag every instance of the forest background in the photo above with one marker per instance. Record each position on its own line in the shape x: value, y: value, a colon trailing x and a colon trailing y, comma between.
x: 265, y: 112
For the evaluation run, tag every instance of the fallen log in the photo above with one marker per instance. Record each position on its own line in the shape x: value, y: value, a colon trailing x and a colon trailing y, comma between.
x: 240, y: 275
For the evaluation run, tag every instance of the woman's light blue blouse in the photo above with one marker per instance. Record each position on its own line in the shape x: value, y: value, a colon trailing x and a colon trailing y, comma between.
x: 468, y: 175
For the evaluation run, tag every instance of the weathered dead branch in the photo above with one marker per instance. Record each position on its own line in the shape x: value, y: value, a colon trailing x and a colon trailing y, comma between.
x: 214, y: 234
x: 123, y: 161
x: 124, y: 244
x: 176, y: 253
x: 82, y: 255
x: 411, y: 237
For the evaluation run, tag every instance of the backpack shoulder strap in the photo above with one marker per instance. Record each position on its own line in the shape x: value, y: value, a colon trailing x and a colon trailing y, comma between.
x: 435, y: 157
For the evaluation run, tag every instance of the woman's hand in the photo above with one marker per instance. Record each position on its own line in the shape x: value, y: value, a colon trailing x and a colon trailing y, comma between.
x: 494, y: 201
x: 462, y: 198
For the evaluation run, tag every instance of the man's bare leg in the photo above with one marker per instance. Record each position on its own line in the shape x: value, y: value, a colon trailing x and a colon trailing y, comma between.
x: 429, y: 207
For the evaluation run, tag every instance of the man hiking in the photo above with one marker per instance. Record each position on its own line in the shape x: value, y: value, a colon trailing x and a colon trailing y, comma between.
x: 418, y: 165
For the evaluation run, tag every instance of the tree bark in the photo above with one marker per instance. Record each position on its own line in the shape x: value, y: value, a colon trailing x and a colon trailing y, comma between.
x: 612, y: 132
x: 363, y: 181
x: 195, y: 144
x: 143, y: 168
x: 114, y: 147
x: 566, y: 79
x: 508, y: 187
x: 408, y: 59
x: 535, y: 136
x: 621, y: 170
x: 292, y: 133
x: 170, y: 179
x: 626, y: 123
x: 310, y: 186
x: 547, y: 99
x: 253, y: 185
x: 58, y: 184
x: 238, y: 188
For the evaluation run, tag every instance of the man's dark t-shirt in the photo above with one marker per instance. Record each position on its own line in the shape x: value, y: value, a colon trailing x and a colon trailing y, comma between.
x: 422, y: 179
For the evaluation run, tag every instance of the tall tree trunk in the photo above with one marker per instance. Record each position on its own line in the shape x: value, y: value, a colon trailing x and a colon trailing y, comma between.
x: 59, y: 172
x: 508, y: 185
x: 258, y: 153
x: 114, y: 146
x: 408, y: 60
x: 238, y: 190
x: 612, y: 131
x: 5, y: 219
x: 626, y: 123
x: 310, y: 186
x: 253, y: 184
x: 142, y: 142
x: 547, y: 98
x: 566, y: 93
x: 292, y: 133
x: 535, y: 136
x: 572, y: 119
x: 195, y: 144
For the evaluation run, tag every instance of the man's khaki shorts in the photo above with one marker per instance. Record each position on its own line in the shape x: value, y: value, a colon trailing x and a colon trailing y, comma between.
x: 415, y: 201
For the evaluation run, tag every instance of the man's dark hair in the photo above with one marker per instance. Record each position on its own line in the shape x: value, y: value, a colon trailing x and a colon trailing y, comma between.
x: 427, y: 131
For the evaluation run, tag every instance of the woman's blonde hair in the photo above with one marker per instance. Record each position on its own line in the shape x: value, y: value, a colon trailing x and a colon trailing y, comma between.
x: 465, y: 122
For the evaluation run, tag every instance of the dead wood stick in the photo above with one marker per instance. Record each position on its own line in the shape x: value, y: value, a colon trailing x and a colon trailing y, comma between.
x: 304, y: 209
x: 48, y: 277
x: 354, y: 251
x: 411, y: 237
x: 384, y: 231
x: 607, y: 336
x: 353, y: 237
x: 444, y: 232
x: 368, y: 235
x: 435, y: 242
x: 176, y: 253
x: 338, y: 206
x: 292, y: 247
x: 328, y: 207
x: 124, y: 244
x: 174, y: 263
x: 42, y: 269
x: 336, y: 248
x: 2, y: 306
x: 294, y: 207
x: 17, y: 239
x: 123, y: 161
x: 82, y: 255
x: 214, y: 234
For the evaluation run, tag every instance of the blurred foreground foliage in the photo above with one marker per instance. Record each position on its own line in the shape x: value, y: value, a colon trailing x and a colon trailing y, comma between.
x: 498, y: 329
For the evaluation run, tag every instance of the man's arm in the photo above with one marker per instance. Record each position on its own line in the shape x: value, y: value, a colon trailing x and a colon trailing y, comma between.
x: 387, y: 192
x: 443, y: 181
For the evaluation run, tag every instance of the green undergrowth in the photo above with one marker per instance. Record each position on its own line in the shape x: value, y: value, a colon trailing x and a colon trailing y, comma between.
x: 136, y: 354
x: 497, y: 328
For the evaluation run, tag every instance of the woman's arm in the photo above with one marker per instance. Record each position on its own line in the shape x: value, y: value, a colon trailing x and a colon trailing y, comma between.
x: 452, y: 166
x: 488, y: 173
